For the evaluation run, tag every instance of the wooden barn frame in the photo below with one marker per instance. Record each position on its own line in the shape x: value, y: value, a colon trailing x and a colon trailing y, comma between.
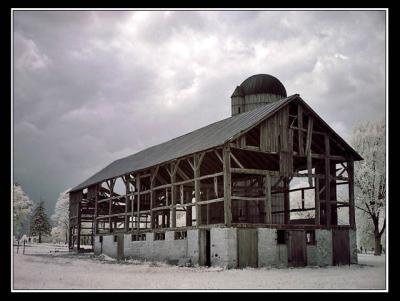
x: 230, y: 184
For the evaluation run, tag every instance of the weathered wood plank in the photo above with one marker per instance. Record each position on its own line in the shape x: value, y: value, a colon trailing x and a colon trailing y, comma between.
x: 350, y: 172
x: 300, y: 126
x: 174, y: 167
x: 227, y: 186
x: 196, y: 163
x: 268, y: 200
x: 327, y: 182
x: 236, y: 160
x: 138, y: 203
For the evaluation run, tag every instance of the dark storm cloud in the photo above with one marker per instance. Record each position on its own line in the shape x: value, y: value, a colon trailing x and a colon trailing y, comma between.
x: 91, y: 87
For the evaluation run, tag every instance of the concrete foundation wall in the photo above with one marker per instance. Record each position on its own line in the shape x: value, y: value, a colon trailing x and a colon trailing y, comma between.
x: 109, y: 247
x: 323, y: 254
x: 269, y: 252
x: 266, y: 246
x: 169, y: 250
x: 353, y: 246
x: 312, y: 255
x: 223, y: 247
x: 193, y: 246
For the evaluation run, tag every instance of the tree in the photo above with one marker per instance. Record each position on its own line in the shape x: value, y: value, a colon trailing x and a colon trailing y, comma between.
x: 61, y: 215
x: 22, y: 207
x: 40, y: 224
x: 368, y: 139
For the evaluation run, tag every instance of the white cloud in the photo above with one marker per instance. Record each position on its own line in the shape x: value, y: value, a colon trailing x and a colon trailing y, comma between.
x: 91, y: 87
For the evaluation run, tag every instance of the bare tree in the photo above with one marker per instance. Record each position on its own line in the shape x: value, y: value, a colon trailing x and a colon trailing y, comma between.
x: 368, y: 139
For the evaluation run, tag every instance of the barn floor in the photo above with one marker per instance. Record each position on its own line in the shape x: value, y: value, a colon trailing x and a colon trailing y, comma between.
x: 49, y: 266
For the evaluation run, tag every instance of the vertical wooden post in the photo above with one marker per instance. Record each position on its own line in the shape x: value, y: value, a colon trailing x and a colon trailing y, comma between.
x: 173, y: 194
x: 138, y: 202
x: 189, y: 196
x: 78, y: 246
x: 300, y: 126
x: 126, y: 218
x: 286, y: 204
x: 267, y: 202
x: 327, y: 182
x: 152, y: 196
x: 197, y: 187
x: 208, y: 207
x: 227, y: 185
x: 317, y: 203
x: 308, y: 150
x: 350, y: 173
x: 96, y: 205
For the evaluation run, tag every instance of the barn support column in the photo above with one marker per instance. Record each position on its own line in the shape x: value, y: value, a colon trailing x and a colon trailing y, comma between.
x: 350, y: 172
x: 78, y: 242
x: 268, y: 200
x: 327, y: 182
x: 227, y: 185
x: 96, y: 200
x: 152, y: 195
x: 174, y: 166
x: 138, y: 203
x: 198, y: 158
x: 126, y: 217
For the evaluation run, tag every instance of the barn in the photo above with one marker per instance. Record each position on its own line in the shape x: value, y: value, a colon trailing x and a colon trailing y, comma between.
x: 272, y: 185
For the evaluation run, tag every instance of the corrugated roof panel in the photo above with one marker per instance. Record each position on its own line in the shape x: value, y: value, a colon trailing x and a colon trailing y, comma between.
x: 210, y: 136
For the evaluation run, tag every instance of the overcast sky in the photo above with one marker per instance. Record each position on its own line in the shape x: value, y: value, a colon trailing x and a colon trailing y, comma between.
x: 91, y: 87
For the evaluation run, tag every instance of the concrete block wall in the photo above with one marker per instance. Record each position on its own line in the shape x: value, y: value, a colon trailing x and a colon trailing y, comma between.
x: 109, y: 247
x: 193, y: 246
x: 269, y: 252
x: 312, y: 255
x: 323, y: 254
x: 353, y: 246
x: 223, y: 247
x: 266, y: 246
x: 169, y: 250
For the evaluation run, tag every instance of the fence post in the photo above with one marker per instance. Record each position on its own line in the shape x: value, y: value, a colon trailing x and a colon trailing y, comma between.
x: 17, y: 246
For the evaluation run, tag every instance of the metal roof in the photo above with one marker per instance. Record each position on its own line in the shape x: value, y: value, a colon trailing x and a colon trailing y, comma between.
x: 210, y: 136
x: 207, y: 137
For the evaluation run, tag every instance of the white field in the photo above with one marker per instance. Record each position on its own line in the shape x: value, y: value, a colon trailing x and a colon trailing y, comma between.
x: 50, y: 266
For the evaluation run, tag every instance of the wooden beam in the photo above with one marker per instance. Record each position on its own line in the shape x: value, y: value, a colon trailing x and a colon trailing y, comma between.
x: 190, y: 163
x: 350, y: 172
x: 216, y: 186
x: 196, y: 163
x: 152, y: 196
x: 218, y: 156
x: 227, y: 186
x: 126, y: 205
x: 174, y: 167
x: 300, y: 126
x: 96, y: 208
x: 309, y: 134
x: 138, y: 203
x: 236, y: 160
x: 182, y: 174
x: 268, y: 200
x: 327, y: 182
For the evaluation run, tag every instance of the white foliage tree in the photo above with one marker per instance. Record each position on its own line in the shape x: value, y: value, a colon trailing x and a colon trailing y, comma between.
x: 22, y: 208
x: 369, y: 140
x: 61, y: 216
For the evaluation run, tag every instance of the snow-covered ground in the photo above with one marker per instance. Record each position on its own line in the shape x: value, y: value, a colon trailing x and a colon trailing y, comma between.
x: 51, y: 266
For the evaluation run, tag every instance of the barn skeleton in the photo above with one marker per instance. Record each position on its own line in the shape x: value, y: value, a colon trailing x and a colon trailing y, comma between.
x: 232, y: 173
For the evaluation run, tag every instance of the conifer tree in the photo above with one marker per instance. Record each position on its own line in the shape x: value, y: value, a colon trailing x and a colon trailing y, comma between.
x: 40, y: 223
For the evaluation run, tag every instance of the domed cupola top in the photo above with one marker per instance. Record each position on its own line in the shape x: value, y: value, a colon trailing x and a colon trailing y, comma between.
x: 260, y: 84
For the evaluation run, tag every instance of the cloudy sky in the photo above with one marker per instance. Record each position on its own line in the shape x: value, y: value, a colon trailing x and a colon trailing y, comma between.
x: 94, y: 86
